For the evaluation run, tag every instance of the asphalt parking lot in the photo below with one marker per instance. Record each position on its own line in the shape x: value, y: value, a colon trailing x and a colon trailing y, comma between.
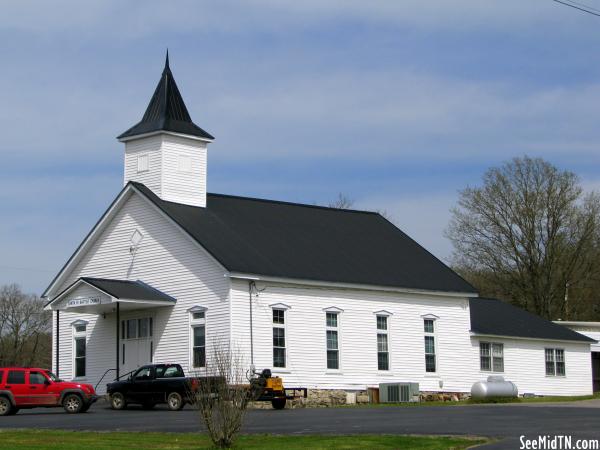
x: 506, y: 422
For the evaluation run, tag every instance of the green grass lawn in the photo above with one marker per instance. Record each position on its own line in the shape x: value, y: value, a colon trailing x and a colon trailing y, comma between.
x: 76, y: 440
x: 545, y: 399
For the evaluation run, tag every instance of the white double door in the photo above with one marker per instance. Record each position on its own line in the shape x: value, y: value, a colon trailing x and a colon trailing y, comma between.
x: 136, y: 343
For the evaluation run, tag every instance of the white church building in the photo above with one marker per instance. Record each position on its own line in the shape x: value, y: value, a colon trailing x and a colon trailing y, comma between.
x: 326, y: 298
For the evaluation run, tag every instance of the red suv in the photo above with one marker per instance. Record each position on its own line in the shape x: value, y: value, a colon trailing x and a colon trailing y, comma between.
x: 27, y: 387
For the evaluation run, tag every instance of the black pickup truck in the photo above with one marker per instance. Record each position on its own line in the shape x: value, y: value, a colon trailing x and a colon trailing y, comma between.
x: 152, y: 384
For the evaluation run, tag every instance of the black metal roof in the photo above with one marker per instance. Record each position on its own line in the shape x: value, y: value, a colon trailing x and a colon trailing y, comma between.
x: 130, y: 290
x: 498, y: 318
x: 166, y: 111
x: 290, y: 240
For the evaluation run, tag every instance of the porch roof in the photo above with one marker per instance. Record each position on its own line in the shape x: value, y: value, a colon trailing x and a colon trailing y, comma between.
x: 133, y: 290
x: 133, y: 293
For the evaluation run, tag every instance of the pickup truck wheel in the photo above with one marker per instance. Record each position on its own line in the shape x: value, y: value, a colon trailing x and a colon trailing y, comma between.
x: 174, y: 401
x: 278, y: 403
x: 117, y: 401
x: 72, y: 403
x: 5, y: 407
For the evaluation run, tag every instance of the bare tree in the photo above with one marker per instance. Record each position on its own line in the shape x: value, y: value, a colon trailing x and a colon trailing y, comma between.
x: 24, y: 329
x: 342, y: 202
x: 385, y: 214
x: 222, y: 393
x: 528, y: 234
x: 345, y: 202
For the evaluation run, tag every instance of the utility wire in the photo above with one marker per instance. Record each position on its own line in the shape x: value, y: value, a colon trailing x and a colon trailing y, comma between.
x: 580, y: 7
x: 583, y: 5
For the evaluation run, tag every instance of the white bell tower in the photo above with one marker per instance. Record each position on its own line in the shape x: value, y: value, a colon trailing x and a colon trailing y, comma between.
x: 166, y: 151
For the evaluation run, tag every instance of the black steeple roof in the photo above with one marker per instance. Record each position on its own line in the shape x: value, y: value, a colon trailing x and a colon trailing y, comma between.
x: 166, y: 111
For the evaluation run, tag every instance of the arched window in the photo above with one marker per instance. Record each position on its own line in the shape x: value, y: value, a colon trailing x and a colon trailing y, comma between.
x: 429, y: 329
x: 198, y: 336
x: 279, y: 334
x: 79, y: 348
x: 332, y: 336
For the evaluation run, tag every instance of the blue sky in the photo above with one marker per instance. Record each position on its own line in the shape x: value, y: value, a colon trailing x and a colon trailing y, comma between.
x: 397, y: 104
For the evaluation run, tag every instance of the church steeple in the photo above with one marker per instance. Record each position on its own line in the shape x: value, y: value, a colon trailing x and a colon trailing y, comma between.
x: 166, y: 112
x: 166, y: 151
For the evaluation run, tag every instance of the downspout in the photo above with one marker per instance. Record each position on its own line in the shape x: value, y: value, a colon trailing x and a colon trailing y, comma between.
x: 118, y: 343
x: 57, y: 341
x: 251, y: 285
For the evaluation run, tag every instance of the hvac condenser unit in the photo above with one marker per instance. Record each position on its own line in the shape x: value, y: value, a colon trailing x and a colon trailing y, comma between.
x: 398, y: 392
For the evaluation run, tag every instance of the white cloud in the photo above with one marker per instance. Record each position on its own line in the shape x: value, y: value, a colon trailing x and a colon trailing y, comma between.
x: 410, y: 114
x: 385, y: 113
x: 135, y: 19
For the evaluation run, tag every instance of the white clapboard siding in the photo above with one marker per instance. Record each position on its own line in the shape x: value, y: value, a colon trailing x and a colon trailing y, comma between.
x: 457, y: 352
x: 150, y: 146
x: 181, y: 186
x: 165, y: 176
x: 306, y: 345
x: 168, y: 260
x: 525, y: 365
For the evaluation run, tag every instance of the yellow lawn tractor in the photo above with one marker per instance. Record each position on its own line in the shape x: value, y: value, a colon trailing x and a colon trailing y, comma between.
x: 267, y: 388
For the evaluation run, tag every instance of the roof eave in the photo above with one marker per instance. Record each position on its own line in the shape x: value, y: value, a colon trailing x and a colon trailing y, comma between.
x: 575, y: 323
x: 166, y: 301
x: 126, y: 138
x: 146, y: 301
x: 585, y: 340
x: 343, y: 285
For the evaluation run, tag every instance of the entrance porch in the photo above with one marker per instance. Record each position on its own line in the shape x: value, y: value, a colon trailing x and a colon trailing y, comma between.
x: 109, y: 329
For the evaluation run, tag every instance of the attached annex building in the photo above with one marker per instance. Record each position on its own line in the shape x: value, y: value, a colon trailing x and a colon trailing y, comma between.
x: 327, y: 298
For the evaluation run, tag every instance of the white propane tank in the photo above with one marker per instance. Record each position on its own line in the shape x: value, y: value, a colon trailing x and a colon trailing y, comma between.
x: 495, y: 386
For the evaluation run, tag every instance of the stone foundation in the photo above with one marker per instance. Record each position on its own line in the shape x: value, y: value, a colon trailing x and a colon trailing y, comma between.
x: 443, y: 396
x: 334, y: 397
x: 326, y: 398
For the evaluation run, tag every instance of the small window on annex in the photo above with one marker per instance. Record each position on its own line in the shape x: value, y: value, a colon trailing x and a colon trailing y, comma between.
x: 491, y: 356
x: 555, y: 362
